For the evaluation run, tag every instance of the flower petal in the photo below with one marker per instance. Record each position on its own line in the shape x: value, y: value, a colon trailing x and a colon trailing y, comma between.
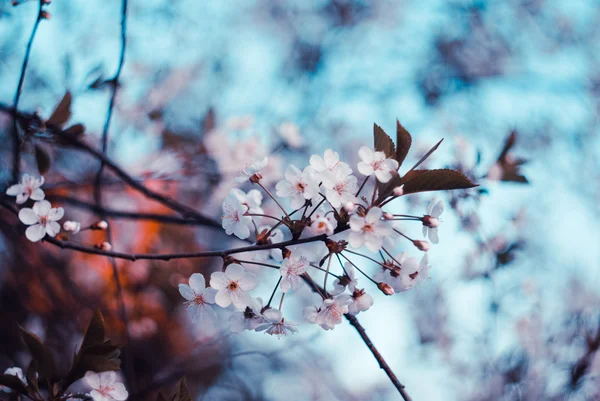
x: 223, y: 298
x: 218, y: 280
x: 197, y: 283
x: 37, y: 194
x: 15, y: 190
x: 248, y: 282
x: 35, y: 233
x: 28, y: 216
x: 234, y: 272
x: 187, y: 292
x: 56, y: 213
x: 42, y: 208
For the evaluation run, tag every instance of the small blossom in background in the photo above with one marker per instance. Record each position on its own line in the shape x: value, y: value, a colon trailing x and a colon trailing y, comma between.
x: 291, y: 269
x: 28, y: 188
x: 298, y: 185
x: 72, y: 226
x: 369, y: 230
x: 234, y: 219
x: 323, y: 223
x: 431, y: 221
x: 105, y: 386
x: 232, y: 286
x: 275, y: 324
x: 376, y: 163
x: 199, y: 298
x: 396, y: 277
x: 42, y: 219
x: 360, y: 301
x: 251, y: 169
x: 248, y: 319
x: 290, y: 133
x: 14, y: 371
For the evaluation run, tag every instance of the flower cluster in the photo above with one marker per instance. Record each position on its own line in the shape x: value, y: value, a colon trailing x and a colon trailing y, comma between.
x: 330, y: 227
x: 41, y: 218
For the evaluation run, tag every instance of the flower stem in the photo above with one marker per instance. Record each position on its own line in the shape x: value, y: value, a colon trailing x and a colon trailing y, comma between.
x: 274, y: 291
x: 274, y: 200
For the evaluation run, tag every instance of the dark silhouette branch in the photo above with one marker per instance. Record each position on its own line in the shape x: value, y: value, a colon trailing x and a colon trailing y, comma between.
x: 16, y: 137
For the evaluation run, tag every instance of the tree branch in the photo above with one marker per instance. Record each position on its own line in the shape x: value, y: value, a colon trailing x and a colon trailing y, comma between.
x: 16, y: 136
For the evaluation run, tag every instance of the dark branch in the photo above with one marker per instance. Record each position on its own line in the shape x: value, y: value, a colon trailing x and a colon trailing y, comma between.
x: 16, y: 136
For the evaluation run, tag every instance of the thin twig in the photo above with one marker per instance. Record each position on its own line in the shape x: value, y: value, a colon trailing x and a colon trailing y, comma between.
x: 16, y: 136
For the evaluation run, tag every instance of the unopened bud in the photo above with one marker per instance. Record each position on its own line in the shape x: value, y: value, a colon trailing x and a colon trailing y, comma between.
x: 104, y: 246
x: 100, y: 225
x: 388, y: 216
x: 348, y: 207
x: 431, y: 222
x: 385, y: 288
x: 46, y: 2
x: 45, y: 15
x: 422, y: 245
x: 15, y: 3
x: 72, y: 226
x: 399, y: 191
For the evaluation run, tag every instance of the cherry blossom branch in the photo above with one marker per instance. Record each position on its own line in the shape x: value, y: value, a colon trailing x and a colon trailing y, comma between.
x: 382, y: 363
x: 365, y: 338
x: 121, y: 214
x: 98, y: 186
x: 172, y: 204
x: 16, y: 136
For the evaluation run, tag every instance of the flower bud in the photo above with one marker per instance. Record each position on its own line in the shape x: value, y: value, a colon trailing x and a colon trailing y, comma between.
x: 46, y: 2
x: 99, y: 226
x: 45, y: 15
x: 431, y: 222
x: 348, y: 207
x: 15, y: 3
x: 422, y: 245
x: 399, y: 191
x: 388, y: 216
x: 104, y: 246
x: 73, y: 226
x: 385, y: 288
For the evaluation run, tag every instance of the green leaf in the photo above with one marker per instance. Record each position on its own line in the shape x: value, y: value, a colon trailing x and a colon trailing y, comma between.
x: 45, y: 360
x: 13, y: 382
x: 62, y: 113
x: 383, y: 143
x: 434, y: 180
x: 403, y: 143
x: 182, y: 393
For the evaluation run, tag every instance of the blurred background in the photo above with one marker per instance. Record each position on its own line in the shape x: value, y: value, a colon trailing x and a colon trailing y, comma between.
x: 512, y: 309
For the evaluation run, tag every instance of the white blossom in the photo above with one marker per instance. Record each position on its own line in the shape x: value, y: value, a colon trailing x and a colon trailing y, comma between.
x: 105, y: 386
x: 233, y: 286
x: 252, y: 168
x: 412, y: 274
x: 42, y: 219
x: 322, y: 222
x: 199, y: 299
x: 359, y: 302
x: 28, y: 188
x: 299, y: 185
x: 248, y: 319
x: 291, y: 269
x: 330, y: 313
x: 431, y: 221
x: 397, y: 278
x: 376, y: 163
x: 348, y: 280
x: 275, y: 324
x: 340, y: 188
x: 369, y: 230
x: 329, y: 163
x: 234, y: 220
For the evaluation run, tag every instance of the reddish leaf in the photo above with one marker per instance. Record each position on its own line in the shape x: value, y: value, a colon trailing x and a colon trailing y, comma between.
x: 43, y: 159
x: 94, y: 334
x: 434, y: 180
x: 62, y: 113
x: 182, y: 393
x: 510, y: 142
x: 45, y: 360
x: 383, y: 143
x: 75, y: 130
x: 403, y: 143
